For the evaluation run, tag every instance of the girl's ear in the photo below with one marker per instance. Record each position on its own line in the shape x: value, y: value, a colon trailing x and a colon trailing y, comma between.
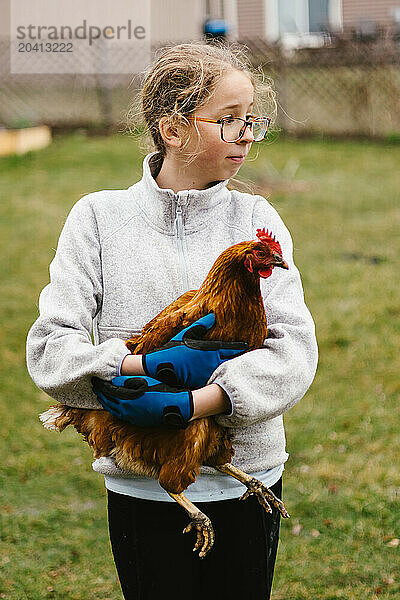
x: 169, y: 132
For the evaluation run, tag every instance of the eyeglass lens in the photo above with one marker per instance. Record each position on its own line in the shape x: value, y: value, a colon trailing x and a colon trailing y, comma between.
x: 233, y: 129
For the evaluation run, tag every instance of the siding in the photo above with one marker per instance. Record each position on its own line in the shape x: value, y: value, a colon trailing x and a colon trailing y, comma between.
x: 176, y: 20
x: 250, y: 18
x: 376, y: 10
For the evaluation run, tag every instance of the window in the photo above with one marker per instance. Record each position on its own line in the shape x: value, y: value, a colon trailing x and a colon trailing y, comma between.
x: 293, y: 17
x: 318, y: 15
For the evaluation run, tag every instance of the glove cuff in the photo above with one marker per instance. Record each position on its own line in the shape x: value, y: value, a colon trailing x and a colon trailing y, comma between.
x: 144, y: 365
x: 173, y: 417
x: 161, y: 370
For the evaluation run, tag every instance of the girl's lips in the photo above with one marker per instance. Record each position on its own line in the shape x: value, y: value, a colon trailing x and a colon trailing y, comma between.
x: 237, y: 159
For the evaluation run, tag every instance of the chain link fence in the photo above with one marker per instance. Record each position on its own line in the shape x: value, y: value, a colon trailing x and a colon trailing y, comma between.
x: 66, y: 100
x: 347, y: 87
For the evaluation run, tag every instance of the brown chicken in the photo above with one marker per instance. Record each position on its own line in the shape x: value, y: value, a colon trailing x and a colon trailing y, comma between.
x: 231, y: 291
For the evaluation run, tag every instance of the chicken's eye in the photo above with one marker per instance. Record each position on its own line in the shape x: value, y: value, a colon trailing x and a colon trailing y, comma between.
x: 260, y: 253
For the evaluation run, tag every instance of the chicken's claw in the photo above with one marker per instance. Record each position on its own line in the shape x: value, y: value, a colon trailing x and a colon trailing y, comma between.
x: 263, y: 495
x: 205, y: 534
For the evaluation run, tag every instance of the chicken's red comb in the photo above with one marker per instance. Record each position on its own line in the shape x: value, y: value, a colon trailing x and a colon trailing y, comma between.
x: 268, y: 238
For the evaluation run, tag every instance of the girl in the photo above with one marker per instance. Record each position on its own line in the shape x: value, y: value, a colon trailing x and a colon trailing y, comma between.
x: 123, y: 255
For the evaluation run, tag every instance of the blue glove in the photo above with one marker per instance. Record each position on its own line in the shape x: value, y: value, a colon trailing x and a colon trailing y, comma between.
x: 187, y: 360
x: 144, y: 401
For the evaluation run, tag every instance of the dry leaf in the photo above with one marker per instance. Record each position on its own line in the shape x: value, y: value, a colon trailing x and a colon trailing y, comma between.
x: 393, y: 543
x: 315, y: 533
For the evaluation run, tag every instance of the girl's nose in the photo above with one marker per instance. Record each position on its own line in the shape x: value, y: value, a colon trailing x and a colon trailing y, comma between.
x: 248, y: 136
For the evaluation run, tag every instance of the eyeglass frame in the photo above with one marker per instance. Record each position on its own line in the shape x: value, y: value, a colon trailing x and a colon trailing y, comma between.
x: 246, y: 122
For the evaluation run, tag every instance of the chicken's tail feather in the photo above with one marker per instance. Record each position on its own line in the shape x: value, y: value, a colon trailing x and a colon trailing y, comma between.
x: 55, y: 418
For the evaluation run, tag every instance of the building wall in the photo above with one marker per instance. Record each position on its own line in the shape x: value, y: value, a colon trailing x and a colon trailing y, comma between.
x: 183, y: 20
x: 250, y: 16
x: 376, y: 10
x: 176, y: 20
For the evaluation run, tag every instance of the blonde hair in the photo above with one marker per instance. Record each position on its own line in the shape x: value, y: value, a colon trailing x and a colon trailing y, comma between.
x: 183, y: 78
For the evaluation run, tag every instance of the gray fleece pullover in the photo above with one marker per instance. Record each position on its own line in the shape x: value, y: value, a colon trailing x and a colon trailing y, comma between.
x: 123, y: 255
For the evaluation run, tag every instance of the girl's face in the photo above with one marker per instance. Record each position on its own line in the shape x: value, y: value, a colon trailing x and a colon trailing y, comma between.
x: 214, y: 159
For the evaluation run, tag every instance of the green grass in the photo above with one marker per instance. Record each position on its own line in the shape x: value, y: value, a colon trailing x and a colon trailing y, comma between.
x: 342, y: 483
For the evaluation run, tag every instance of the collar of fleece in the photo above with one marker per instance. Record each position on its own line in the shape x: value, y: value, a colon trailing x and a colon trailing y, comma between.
x: 161, y: 205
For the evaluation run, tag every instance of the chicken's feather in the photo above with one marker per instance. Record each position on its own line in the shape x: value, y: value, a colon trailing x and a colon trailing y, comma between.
x: 232, y: 292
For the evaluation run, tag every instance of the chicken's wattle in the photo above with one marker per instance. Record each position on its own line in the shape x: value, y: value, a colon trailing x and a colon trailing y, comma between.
x: 264, y: 273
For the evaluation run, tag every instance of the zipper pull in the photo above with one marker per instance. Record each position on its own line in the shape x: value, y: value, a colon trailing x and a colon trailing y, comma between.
x: 179, y: 234
x: 178, y: 219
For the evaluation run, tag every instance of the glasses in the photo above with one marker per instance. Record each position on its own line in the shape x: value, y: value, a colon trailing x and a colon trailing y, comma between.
x: 233, y: 128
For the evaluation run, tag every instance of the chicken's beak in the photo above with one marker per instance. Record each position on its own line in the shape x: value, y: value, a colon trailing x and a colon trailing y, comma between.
x: 279, y: 262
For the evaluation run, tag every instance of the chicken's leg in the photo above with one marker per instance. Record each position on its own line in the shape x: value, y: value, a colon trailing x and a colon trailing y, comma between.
x: 205, y: 531
x: 254, y: 486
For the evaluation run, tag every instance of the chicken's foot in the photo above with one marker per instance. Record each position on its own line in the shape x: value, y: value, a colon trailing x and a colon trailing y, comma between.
x: 199, y: 521
x: 254, y: 486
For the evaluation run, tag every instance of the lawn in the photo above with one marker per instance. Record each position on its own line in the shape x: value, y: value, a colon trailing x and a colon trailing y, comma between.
x: 342, y: 484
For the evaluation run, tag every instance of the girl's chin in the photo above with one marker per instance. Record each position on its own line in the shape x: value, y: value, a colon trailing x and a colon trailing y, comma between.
x: 225, y: 172
x: 234, y: 169
x: 232, y: 166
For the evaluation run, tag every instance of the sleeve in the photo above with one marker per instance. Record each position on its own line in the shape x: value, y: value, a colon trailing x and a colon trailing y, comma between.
x: 61, y: 357
x: 266, y: 382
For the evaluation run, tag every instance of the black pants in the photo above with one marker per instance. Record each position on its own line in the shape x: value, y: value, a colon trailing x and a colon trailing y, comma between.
x: 154, y: 559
